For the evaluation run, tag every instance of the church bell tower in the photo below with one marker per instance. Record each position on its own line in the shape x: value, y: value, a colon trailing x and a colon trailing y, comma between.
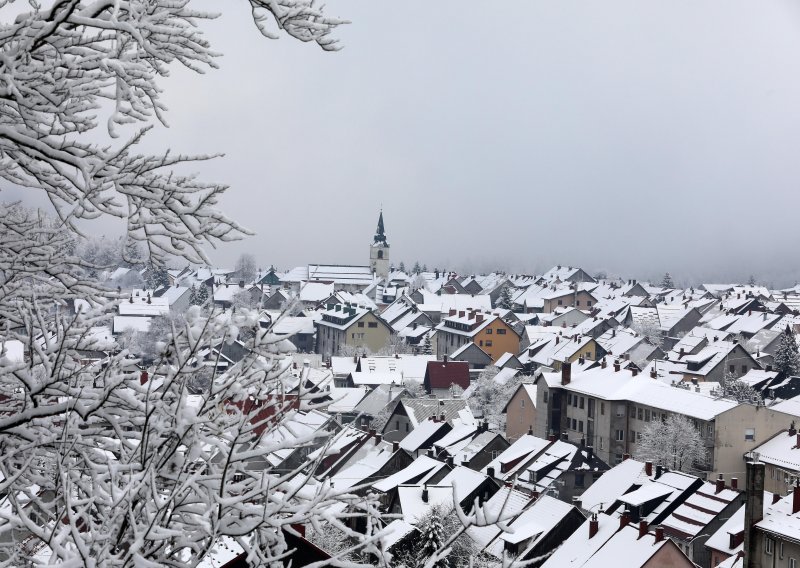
x: 379, y: 251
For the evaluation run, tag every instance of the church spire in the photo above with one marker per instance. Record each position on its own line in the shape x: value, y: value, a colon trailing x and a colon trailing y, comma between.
x: 380, y: 236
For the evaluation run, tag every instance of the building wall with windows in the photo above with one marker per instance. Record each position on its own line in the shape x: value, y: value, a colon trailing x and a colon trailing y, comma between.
x: 742, y: 429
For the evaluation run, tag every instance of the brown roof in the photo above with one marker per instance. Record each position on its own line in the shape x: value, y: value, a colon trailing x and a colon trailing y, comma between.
x: 440, y: 374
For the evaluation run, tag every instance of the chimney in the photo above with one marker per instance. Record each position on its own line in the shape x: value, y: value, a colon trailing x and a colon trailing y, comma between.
x: 648, y: 468
x: 603, y: 363
x: 659, y: 534
x: 734, y: 483
x: 490, y: 472
x: 425, y: 494
x: 566, y: 373
x: 395, y: 446
x: 378, y: 439
x: 557, y: 338
x: 441, y: 417
x: 642, y: 528
x: 143, y: 377
x: 625, y: 518
x: 431, y: 453
x: 776, y: 497
x: 735, y: 539
x: 372, y: 432
x: 589, y: 453
x: 659, y: 471
x: 452, y: 312
x: 681, y: 354
x: 792, y: 429
x: 626, y: 457
x: 753, y: 508
x: 720, y: 483
x: 653, y: 373
x: 634, y: 371
x: 552, y: 437
x: 479, y: 318
x: 796, y: 497
x: 461, y: 313
x: 593, y: 526
x: 616, y: 365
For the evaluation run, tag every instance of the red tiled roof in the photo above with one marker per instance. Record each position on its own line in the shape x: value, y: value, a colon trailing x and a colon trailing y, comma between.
x: 440, y: 375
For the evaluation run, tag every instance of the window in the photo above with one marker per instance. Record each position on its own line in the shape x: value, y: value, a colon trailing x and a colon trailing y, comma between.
x: 580, y: 425
x: 602, y: 408
x: 360, y: 324
x: 633, y: 436
x: 588, y: 354
x: 397, y: 425
x: 780, y: 549
x: 372, y: 324
x: 601, y: 442
x: 792, y: 561
x: 406, y: 426
x: 488, y: 343
x: 501, y: 332
x: 488, y: 331
x: 732, y: 368
x: 769, y: 544
x: 545, y: 397
x: 744, y: 369
x: 522, y: 403
x: 575, y: 400
x: 647, y: 415
x: 750, y: 434
x: 620, y: 410
x: 589, y: 303
x: 620, y: 435
x: 495, y: 454
x: 480, y: 343
x: 638, y: 436
x: 579, y: 480
x: 577, y: 302
x: 574, y: 424
x: 580, y: 405
x: 591, y: 408
x: 710, y: 429
x: 560, y: 303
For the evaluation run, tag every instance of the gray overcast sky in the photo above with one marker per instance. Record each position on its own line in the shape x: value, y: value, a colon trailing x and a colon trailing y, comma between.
x: 632, y: 136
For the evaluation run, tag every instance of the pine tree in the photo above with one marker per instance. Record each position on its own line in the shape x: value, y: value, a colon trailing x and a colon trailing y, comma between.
x: 402, y: 266
x: 427, y: 347
x: 505, y: 301
x: 667, y: 281
x: 417, y: 268
x: 156, y: 278
x: 432, y: 540
x: 787, y: 359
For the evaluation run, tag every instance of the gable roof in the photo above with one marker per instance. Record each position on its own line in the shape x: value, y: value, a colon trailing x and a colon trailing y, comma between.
x: 442, y: 374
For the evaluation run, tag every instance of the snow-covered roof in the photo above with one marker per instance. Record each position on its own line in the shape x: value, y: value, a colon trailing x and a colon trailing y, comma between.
x: 143, y: 305
x: 781, y: 450
x: 136, y: 323
x: 418, y: 471
x: 416, y: 439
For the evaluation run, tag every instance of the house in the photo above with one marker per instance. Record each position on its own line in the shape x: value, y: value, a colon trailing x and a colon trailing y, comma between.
x: 408, y: 413
x: 441, y: 376
x: 479, y: 450
x: 520, y: 411
x: 347, y: 326
x: 608, y: 407
x: 781, y: 457
x: 612, y: 540
x: 476, y: 357
x: 485, y: 329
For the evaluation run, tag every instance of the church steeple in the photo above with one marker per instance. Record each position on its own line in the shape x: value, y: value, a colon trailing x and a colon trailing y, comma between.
x: 379, y: 251
x: 380, y: 236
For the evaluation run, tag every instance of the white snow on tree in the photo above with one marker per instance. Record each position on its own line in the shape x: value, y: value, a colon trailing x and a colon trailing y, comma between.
x: 675, y: 443
x: 432, y: 537
x: 737, y: 389
x: 103, y: 463
x: 787, y: 359
x: 505, y: 300
x: 667, y: 282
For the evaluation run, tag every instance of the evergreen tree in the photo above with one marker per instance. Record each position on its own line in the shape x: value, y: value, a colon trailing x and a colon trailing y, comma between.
x: 156, y: 278
x: 424, y: 268
x: 432, y: 540
x: 752, y: 280
x: 667, y: 281
x: 417, y: 268
x: 427, y: 347
x: 505, y: 301
x: 202, y: 295
x: 787, y: 360
x: 402, y: 266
